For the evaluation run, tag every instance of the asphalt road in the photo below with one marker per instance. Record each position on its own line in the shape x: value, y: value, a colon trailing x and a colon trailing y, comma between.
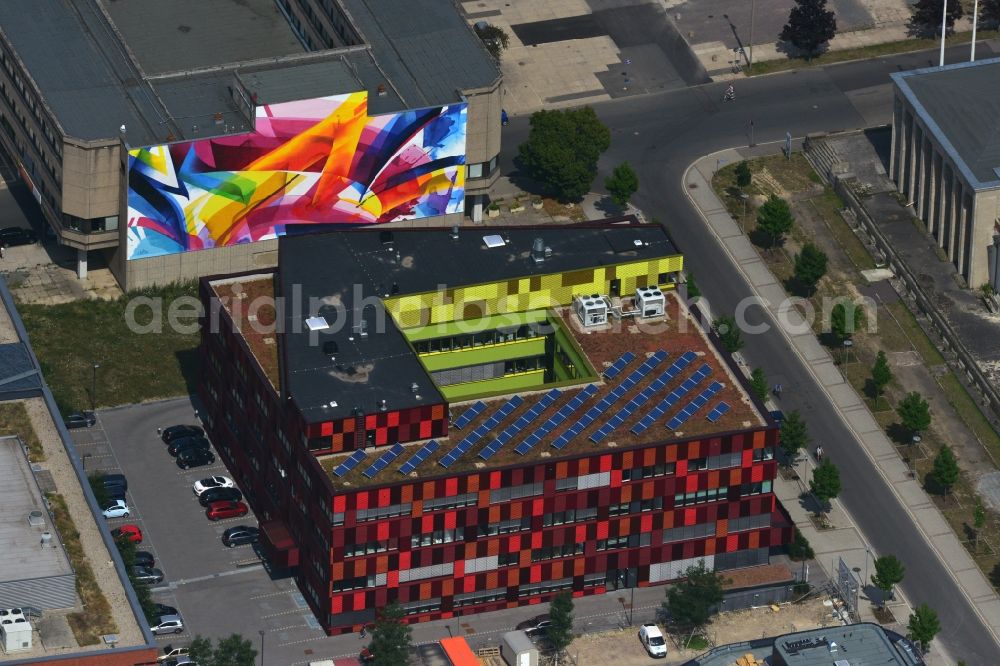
x: 661, y: 135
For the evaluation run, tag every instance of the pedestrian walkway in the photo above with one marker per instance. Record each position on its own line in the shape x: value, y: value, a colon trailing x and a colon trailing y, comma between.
x: 845, y: 541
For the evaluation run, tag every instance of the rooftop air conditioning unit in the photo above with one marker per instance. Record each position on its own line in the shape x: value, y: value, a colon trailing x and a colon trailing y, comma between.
x: 650, y: 301
x: 591, y: 310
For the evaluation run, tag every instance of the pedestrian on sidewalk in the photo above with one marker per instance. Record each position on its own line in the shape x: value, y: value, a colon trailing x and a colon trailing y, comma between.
x: 819, y: 454
x: 362, y: 633
x: 777, y: 390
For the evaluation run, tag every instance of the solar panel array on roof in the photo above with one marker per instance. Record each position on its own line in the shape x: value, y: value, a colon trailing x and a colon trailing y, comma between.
x: 553, y: 422
x: 469, y: 415
x: 423, y: 454
x: 718, y: 412
x: 661, y: 408
x: 615, y: 368
x: 694, y: 406
x: 519, y: 425
x: 616, y: 394
x: 349, y: 464
x: 384, y: 460
x: 484, y: 429
x: 638, y: 401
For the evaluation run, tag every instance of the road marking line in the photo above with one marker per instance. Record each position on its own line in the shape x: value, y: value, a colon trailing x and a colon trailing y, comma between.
x: 200, y: 579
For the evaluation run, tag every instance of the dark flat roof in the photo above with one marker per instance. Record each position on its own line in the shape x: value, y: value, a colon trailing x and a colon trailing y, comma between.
x: 18, y: 377
x: 97, y: 74
x: 338, y: 272
x: 960, y: 105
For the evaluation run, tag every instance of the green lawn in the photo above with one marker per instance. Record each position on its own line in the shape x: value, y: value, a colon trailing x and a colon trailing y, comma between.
x: 134, y: 366
x: 866, y: 52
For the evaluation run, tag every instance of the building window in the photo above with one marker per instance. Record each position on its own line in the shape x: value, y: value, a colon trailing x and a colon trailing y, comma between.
x: 474, y: 170
x: 480, y: 597
x: 516, y: 492
x: 505, y: 526
x: 421, y: 606
x: 356, y: 549
x: 649, y: 471
x: 700, y: 497
x: 454, y: 502
x: 570, y: 516
x: 531, y: 589
x: 435, y: 538
x: 553, y: 552
x: 508, y: 559
x: 384, y: 512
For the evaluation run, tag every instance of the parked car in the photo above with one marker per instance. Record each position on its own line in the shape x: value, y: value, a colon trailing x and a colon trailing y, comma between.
x: 167, y: 624
x: 778, y: 416
x: 147, y: 575
x: 183, y: 660
x: 213, y: 482
x: 80, y: 420
x: 194, y: 458
x: 175, y: 432
x: 115, y: 493
x: 128, y: 531
x: 226, y: 509
x: 219, y: 495
x: 537, y: 624
x: 240, y: 535
x: 170, y: 652
x: 185, y: 443
x: 114, y: 480
x: 144, y: 558
x: 652, y: 639
x: 11, y: 236
x: 163, y: 609
x: 116, y: 509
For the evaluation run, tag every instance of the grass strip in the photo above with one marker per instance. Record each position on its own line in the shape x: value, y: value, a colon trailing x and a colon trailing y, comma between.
x: 867, y: 52
x: 95, y: 619
x: 970, y: 413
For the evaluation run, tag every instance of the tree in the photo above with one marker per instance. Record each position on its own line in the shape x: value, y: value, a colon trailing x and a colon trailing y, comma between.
x: 927, y: 15
x: 494, y: 38
x: 234, y: 650
x: 758, y: 382
x: 914, y: 413
x: 945, y: 471
x: 844, y: 320
x: 743, y: 175
x: 560, y: 632
x: 693, y: 292
x: 881, y: 374
x: 729, y: 333
x: 978, y: 522
x: 825, y: 484
x: 775, y: 219
x: 989, y: 12
x: 799, y: 549
x: 923, y: 626
x: 622, y: 184
x: 810, y: 25
x: 562, y: 150
x: 810, y: 266
x: 200, y: 650
x: 693, y: 600
x: 390, y: 637
x: 889, y: 572
x: 794, y: 435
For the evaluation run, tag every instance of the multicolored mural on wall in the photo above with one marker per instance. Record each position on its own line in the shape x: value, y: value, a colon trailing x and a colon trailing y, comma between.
x: 317, y: 161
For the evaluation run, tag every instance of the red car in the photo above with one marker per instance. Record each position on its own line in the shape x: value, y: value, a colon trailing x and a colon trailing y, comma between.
x: 225, y: 509
x: 128, y: 531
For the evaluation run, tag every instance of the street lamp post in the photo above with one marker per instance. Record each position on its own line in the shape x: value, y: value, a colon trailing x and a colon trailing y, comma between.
x: 975, y: 20
x: 753, y: 11
x: 944, y: 25
x: 847, y: 350
x: 261, y: 632
x: 743, y: 220
x: 93, y: 388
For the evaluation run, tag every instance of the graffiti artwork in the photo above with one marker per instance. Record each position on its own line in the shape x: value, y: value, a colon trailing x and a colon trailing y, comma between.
x: 317, y: 161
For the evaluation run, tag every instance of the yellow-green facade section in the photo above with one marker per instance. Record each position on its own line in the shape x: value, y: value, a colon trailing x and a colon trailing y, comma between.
x: 528, y: 293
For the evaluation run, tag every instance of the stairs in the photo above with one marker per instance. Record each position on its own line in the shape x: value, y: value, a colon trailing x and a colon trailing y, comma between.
x: 824, y: 159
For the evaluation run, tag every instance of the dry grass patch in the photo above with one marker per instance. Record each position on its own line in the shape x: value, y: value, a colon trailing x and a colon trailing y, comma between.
x: 95, y: 619
x: 14, y: 420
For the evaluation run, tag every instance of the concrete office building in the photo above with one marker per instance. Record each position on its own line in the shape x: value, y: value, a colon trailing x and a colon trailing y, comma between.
x: 440, y: 419
x: 946, y: 160
x: 98, y: 97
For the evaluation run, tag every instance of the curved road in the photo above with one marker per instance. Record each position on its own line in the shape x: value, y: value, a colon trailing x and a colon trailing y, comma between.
x: 661, y: 135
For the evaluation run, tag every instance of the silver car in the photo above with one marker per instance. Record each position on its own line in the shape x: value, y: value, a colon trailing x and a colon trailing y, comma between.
x: 168, y: 624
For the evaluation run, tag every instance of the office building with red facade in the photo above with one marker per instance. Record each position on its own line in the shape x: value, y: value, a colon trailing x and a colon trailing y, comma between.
x: 468, y: 420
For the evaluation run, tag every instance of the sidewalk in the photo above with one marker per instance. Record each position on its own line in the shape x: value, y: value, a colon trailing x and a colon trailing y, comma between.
x: 846, y: 541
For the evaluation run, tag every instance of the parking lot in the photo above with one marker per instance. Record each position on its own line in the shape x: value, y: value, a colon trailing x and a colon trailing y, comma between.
x: 219, y: 591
